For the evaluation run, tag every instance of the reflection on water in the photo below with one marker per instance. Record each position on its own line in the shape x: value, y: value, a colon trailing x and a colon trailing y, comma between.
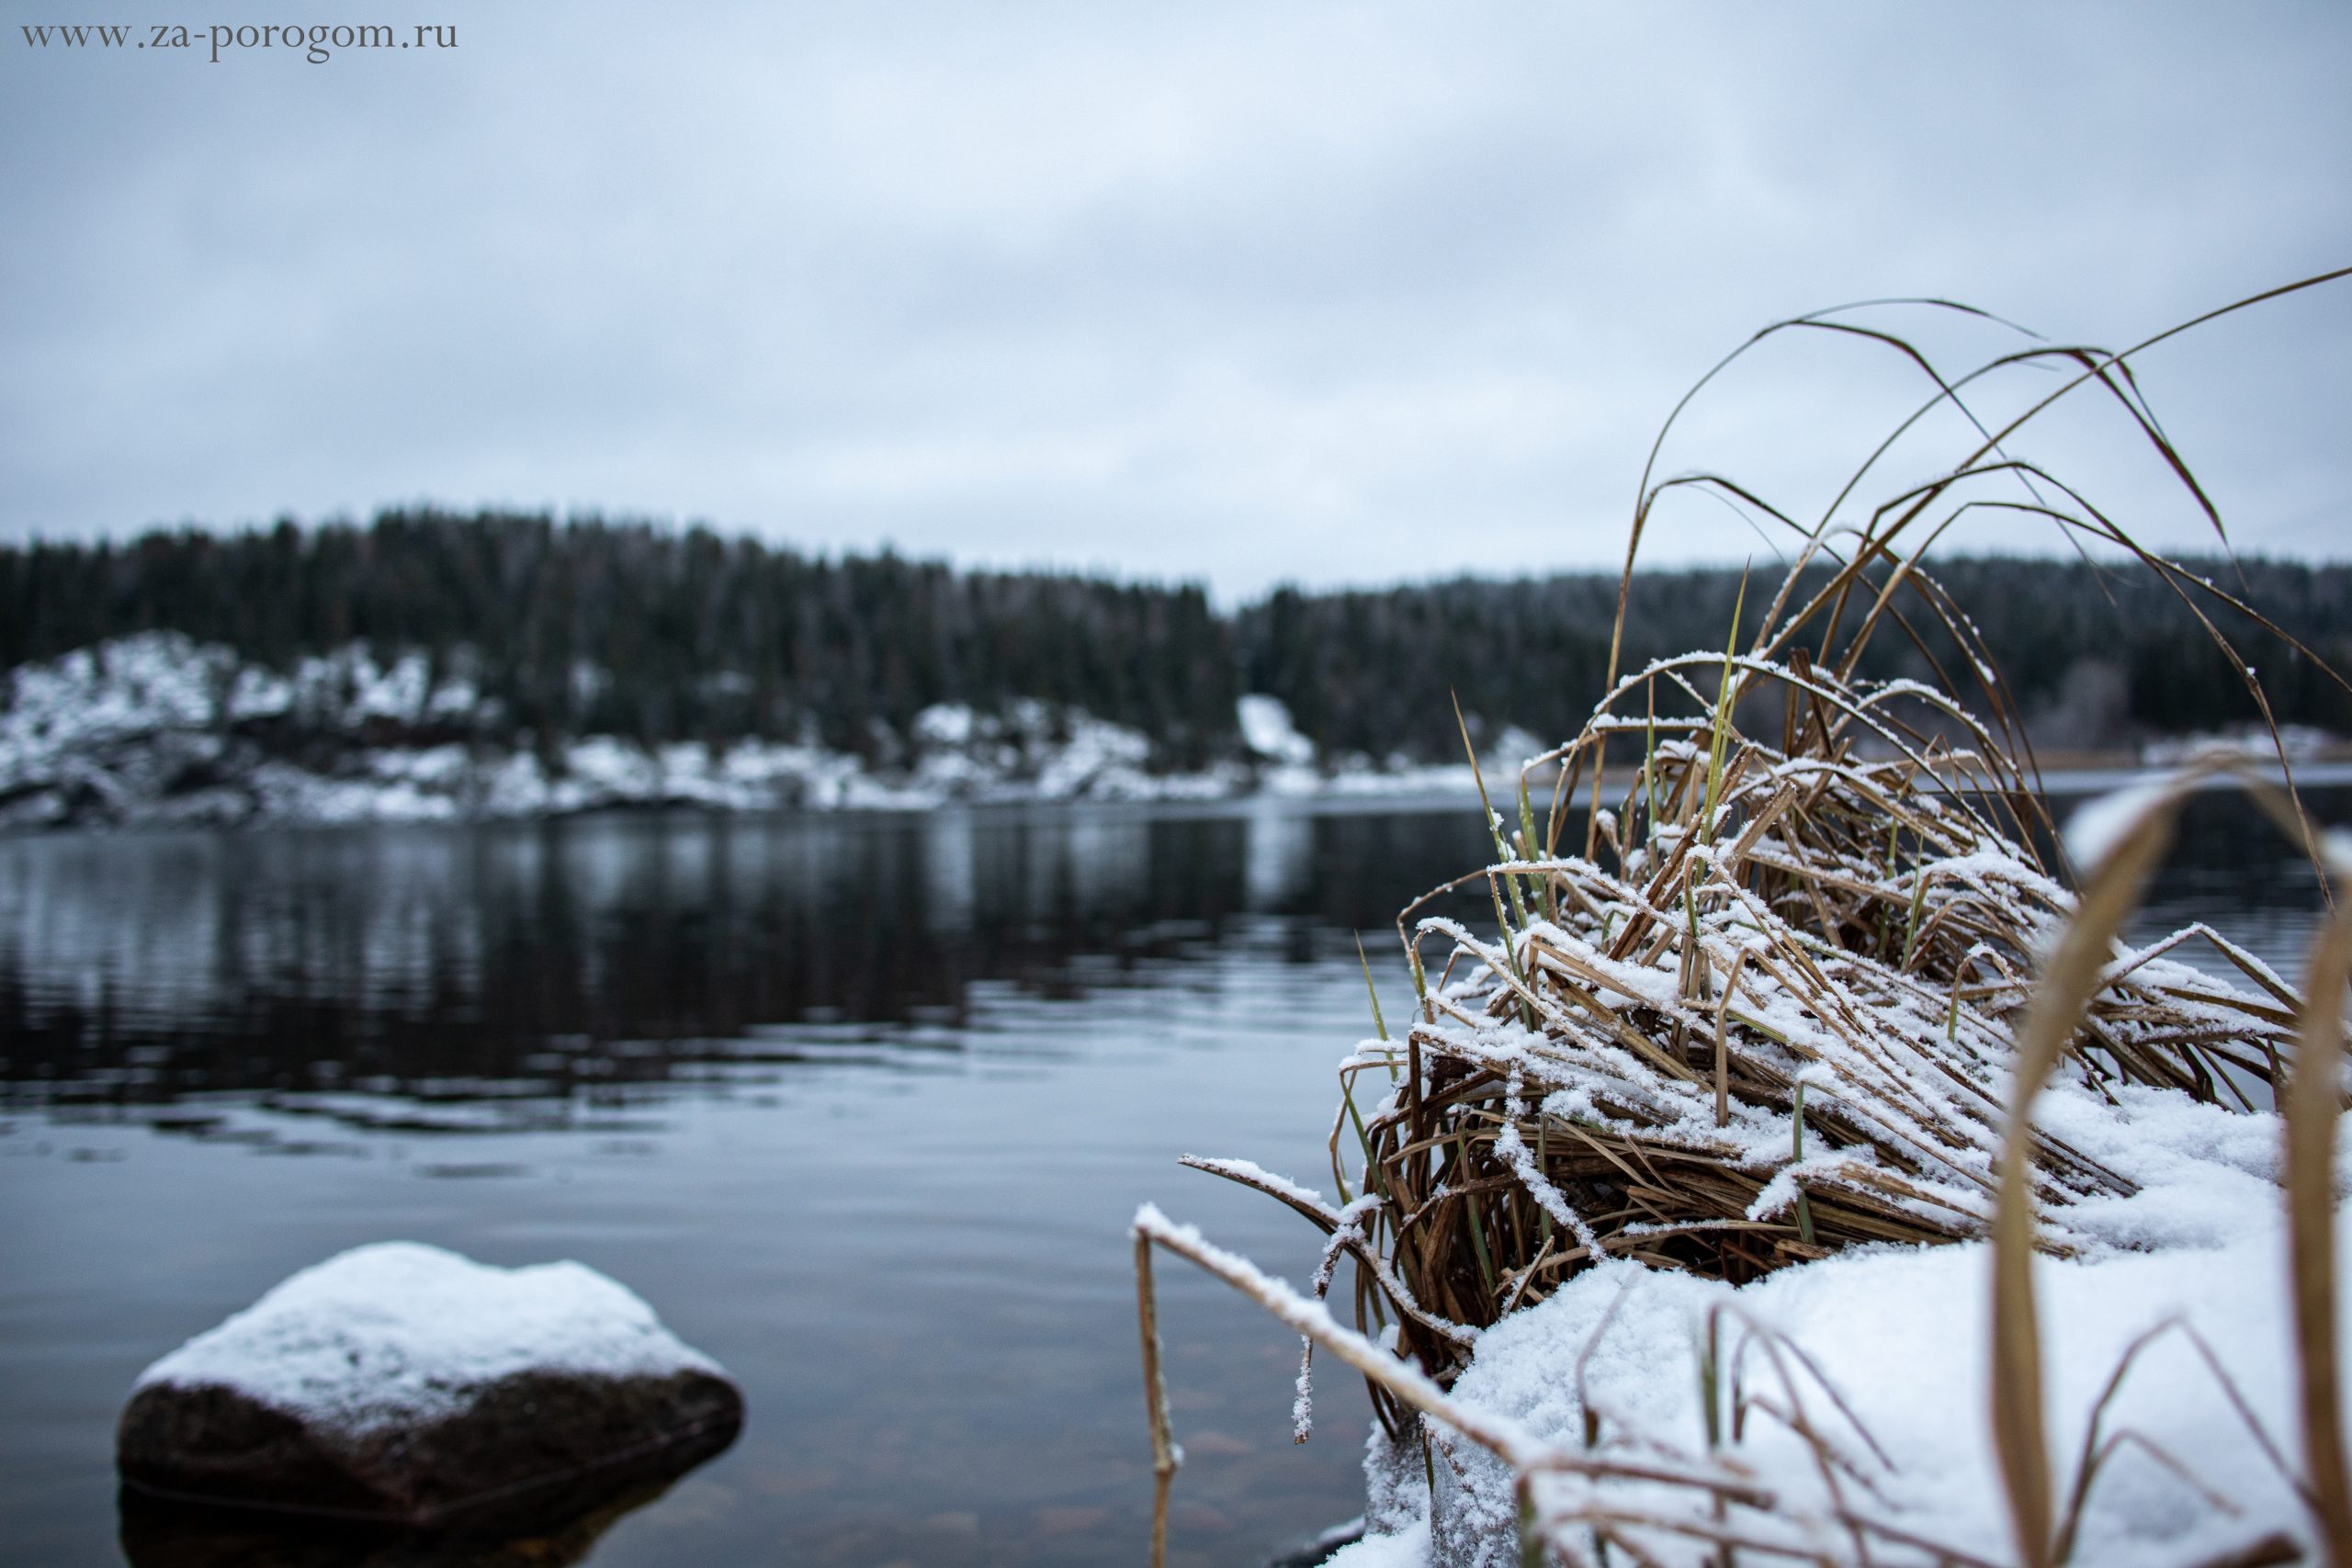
x: 565, y: 958
x: 2234, y: 870
x: 861, y: 1105
x: 155, y: 1533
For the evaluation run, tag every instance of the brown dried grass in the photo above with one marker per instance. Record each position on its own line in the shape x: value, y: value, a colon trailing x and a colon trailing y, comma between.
x: 1771, y: 1005
x: 1843, y: 939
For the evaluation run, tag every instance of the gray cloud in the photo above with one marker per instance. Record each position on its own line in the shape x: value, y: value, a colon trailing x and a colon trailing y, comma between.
x: 1324, y: 291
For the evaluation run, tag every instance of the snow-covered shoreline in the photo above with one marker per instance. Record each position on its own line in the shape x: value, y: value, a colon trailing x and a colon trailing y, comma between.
x: 159, y: 729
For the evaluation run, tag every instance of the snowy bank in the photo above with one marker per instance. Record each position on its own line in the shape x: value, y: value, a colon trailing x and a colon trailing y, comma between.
x: 160, y: 728
x: 1899, y: 1333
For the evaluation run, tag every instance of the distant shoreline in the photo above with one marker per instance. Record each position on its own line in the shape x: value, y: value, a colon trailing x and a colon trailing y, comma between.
x: 1412, y: 792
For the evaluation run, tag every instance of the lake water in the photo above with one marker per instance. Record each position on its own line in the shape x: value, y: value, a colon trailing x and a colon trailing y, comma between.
x: 862, y: 1105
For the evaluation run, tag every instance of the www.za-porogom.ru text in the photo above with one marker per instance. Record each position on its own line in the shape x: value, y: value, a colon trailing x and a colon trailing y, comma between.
x: 317, y: 42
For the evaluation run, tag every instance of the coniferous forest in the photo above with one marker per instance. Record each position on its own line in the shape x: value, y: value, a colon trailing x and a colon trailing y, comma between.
x: 654, y: 633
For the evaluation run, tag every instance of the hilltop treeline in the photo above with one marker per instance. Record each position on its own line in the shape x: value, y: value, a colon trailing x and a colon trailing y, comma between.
x: 627, y: 629
x: 595, y: 627
x: 2092, y: 656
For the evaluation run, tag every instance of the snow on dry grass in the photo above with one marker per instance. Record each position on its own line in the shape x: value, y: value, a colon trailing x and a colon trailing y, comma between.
x: 1712, y: 1204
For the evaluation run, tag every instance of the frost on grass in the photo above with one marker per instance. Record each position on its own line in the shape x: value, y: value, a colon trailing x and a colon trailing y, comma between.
x: 1742, y: 1056
x: 1685, y: 1169
x: 1767, y: 1012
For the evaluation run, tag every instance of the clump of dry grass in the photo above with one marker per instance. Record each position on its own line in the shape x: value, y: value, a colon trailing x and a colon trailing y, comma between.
x: 1797, y: 987
x: 1770, y: 1013
x: 1768, y: 1007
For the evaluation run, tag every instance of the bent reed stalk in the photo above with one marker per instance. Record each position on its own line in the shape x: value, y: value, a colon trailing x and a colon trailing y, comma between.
x: 1795, y: 987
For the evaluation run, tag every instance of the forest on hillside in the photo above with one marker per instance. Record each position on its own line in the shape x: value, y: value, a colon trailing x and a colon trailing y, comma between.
x: 653, y: 634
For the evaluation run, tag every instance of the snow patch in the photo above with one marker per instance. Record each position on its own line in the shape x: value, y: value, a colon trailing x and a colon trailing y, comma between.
x: 1900, y: 1335
x: 1408, y: 1548
x: 1267, y: 731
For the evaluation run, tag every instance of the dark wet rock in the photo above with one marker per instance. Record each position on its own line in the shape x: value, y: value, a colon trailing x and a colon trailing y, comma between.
x: 405, y: 1385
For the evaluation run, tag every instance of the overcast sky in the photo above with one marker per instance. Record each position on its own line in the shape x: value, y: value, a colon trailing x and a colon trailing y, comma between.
x: 1275, y: 290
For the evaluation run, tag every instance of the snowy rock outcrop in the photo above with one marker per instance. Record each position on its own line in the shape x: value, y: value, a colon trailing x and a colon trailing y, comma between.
x: 160, y: 728
x: 402, y: 1383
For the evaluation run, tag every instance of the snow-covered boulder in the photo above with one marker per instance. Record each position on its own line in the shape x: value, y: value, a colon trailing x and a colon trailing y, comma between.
x: 403, y: 1383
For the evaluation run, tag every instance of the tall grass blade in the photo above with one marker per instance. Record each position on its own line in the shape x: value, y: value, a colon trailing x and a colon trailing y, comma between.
x: 1166, y: 1457
x: 2066, y: 987
x: 2314, y: 1103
